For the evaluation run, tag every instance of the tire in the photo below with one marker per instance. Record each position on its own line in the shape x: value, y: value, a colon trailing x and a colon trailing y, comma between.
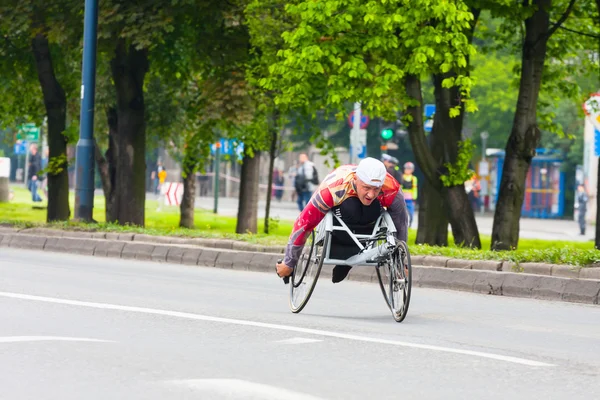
x: 396, y: 292
x: 307, y: 271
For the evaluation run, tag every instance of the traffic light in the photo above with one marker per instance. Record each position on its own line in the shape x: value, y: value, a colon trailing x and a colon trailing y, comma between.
x: 387, y: 133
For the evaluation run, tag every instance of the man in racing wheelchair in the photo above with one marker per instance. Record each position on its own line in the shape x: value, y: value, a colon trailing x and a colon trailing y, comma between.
x: 357, y: 194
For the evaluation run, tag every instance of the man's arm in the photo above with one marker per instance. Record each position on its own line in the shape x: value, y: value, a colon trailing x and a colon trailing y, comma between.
x: 399, y: 215
x: 320, y: 203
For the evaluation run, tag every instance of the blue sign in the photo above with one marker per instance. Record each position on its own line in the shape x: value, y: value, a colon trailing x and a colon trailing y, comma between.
x: 597, y: 142
x: 229, y: 147
x: 364, y: 121
x: 429, y: 112
x: 20, y: 148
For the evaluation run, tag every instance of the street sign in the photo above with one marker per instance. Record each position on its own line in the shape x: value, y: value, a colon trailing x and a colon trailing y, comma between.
x: 173, y: 192
x: 428, y: 126
x: 364, y: 120
x: 30, y: 132
x: 429, y: 113
x: 592, y: 110
x: 596, y: 142
x: 229, y: 147
x: 20, y: 148
x: 429, y: 110
x: 358, y: 144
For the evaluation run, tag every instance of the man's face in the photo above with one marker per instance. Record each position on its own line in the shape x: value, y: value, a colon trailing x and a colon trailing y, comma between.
x: 408, y: 171
x: 303, y: 158
x: 366, y: 193
x: 387, y: 163
x: 33, y: 150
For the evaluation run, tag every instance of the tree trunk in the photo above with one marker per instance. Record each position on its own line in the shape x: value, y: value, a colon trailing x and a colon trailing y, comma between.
x: 525, y: 134
x: 186, y: 218
x: 55, y: 103
x: 272, y: 151
x: 449, y: 131
x: 433, y: 223
x: 247, y: 218
x: 129, y: 67
x: 107, y: 165
x: 433, y: 220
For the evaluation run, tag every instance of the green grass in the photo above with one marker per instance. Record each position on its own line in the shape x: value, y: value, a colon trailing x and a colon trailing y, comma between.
x: 20, y: 212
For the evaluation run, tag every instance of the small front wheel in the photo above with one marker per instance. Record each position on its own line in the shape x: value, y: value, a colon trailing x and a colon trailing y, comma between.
x: 306, y: 274
x: 395, y: 281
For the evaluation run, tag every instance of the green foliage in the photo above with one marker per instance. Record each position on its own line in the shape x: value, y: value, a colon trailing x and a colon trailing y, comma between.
x: 56, y: 165
x: 344, y: 51
x: 459, y: 172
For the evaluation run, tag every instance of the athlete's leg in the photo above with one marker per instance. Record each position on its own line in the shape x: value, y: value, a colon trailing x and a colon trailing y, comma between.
x: 360, y: 220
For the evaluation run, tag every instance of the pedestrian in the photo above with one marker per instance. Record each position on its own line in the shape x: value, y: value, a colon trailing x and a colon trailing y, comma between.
x: 410, y: 189
x: 306, y: 180
x: 35, y: 168
x: 391, y: 165
x: 581, y: 205
x: 278, y: 181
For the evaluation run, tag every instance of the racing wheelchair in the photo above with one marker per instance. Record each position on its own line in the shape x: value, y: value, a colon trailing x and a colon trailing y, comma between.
x: 381, y: 249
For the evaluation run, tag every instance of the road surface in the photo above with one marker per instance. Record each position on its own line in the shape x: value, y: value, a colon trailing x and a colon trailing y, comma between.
x: 76, y: 327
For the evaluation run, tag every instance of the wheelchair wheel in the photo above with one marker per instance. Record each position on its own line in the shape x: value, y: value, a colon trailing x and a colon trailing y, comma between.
x: 305, y: 275
x: 395, y: 280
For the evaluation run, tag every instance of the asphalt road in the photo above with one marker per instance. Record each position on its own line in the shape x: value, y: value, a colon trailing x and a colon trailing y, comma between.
x: 76, y: 327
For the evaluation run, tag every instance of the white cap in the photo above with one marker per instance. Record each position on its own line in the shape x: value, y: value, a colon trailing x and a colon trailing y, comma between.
x: 371, y: 171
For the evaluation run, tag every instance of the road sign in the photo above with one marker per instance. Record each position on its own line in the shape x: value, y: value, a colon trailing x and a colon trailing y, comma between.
x: 20, y: 148
x: 597, y: 142
x: 364, y: 120
x: 229, y: 147
x: 30, y: 132
x: 173, y: 192
x: 592, y: 110
x: 428, y: 126
x: 358, y: 144
x: 429, y: 113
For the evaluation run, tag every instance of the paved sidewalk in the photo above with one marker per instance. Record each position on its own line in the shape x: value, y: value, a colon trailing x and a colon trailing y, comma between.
x: 530, y: 228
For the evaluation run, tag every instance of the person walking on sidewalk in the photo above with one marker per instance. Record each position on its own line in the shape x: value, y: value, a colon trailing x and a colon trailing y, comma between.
x: 409, y: 187
x: 581, y: 204
x: 391, y: 164
x: 35, y: 167
x: 306, y: 180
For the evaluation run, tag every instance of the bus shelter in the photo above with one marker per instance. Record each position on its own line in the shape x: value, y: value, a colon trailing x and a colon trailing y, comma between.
x: 544, y: 187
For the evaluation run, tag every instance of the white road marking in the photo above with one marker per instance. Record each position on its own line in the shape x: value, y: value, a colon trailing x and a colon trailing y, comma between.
x: 240, y: 389
x: 288, y: 328
x: 17, y: 339
x: 298, y: 340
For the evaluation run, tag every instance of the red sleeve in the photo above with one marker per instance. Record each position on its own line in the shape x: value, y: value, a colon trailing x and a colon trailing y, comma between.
x: 320, y: 203
x: 389, y: 190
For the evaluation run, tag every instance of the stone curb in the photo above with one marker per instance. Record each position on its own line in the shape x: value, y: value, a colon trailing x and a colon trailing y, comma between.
x: 487, y: 277
x: 417, y: 260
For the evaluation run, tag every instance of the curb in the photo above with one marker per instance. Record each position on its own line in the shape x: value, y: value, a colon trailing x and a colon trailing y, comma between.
x: 538, y: 281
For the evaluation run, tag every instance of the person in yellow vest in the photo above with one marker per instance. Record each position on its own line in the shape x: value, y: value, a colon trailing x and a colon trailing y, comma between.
x: 410, y: 190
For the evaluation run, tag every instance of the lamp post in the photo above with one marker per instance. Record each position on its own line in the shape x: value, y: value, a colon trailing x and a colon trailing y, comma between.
x: 484, y: 137
x: 84, y: 153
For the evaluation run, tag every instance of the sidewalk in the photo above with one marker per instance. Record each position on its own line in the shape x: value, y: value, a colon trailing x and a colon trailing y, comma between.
x: 547, y: 229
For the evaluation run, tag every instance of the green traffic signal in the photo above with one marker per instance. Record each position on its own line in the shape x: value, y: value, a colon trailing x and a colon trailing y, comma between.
x: 387, y: 134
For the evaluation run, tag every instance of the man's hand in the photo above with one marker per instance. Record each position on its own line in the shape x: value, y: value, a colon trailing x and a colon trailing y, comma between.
x: 283, y: 270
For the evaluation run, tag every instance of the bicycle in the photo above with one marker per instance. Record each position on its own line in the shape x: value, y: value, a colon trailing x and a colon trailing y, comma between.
x: 381, y: 248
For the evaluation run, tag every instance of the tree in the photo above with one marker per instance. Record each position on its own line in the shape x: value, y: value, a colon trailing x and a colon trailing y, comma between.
x: 377, y: 53
x: 132, y: 35
x: 536, y: 74
x: 52, y: 35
